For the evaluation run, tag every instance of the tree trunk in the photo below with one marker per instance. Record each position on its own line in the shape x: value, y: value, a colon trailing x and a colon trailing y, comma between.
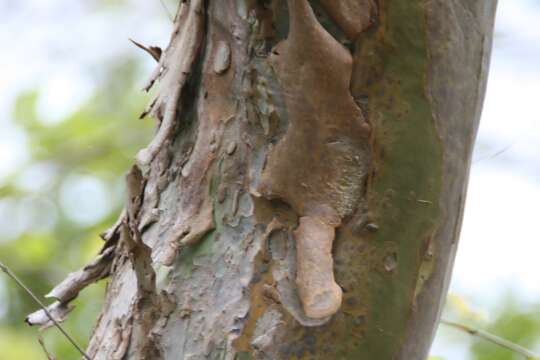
x: 303, y: 195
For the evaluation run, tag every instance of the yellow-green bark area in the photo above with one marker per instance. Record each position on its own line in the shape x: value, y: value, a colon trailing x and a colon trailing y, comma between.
x: 405, y: 187
x: 379, y: 267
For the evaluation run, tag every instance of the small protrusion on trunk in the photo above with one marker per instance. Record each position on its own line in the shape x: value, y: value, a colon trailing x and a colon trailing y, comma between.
x: 320, y: 294
x: 153, y: 51
x: 222, y: 58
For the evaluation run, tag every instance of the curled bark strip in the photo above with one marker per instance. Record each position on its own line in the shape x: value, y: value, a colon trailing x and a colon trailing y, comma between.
x: 321, y: 296
x: 135, y: 183
x: 58, y: 310
x: 274, y: 225
x: 140, y: 254
x: 201, y: 226
x: 320, y: 165
x: 185, y: 234
x: 111, y: 234
x: 121, y: 337
x: 77, y: 281
x: 174, y: 69
x: 352, y: 16
x: 284, y: 258
x: 145, y: 312
x: 141, y: 259
x: 183, y: 11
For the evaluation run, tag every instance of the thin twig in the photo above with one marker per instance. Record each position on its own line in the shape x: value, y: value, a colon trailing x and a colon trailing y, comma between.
x: 166, y: 9
x: 47, y: 353
x: 518, y: 349
x: 489, y: 157
x: 14, y: 277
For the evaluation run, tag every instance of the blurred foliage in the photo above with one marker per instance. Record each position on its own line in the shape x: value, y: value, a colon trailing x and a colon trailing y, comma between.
x: 93, y: 145
x: 514, y: 322
x: 511, y: 320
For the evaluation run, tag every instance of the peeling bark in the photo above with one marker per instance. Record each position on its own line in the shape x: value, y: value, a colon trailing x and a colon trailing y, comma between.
x: 326, y: 144
x: 186, y: 234
x: 173, y: 72
x: 75, y: 282
x: 302, y: 196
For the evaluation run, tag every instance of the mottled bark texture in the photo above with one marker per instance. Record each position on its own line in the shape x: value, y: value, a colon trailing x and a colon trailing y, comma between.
x: 303, y: 194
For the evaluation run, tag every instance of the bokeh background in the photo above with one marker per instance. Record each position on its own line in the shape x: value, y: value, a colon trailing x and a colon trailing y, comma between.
x: 69, y: 101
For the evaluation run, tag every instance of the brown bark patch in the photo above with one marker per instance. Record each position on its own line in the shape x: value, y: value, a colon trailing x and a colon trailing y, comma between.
x: 320, y: 164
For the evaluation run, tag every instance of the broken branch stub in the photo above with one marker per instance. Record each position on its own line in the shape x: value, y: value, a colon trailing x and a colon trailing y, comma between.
x: 173, y: 71
x: 153, y: 51
x: 320, y: 294
x: 57, y: 310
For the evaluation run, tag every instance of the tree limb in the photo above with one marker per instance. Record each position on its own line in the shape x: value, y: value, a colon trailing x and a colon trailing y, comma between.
x: 14, y: 277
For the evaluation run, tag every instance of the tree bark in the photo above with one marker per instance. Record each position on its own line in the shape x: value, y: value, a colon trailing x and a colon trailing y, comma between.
x: 303, y: 195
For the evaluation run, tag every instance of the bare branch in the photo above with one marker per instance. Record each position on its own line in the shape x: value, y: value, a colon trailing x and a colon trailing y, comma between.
x: 77, y: 281
x: 14, y: 277
x: 166, y: 9
x: 47, y: 353
x: 494, y: 339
